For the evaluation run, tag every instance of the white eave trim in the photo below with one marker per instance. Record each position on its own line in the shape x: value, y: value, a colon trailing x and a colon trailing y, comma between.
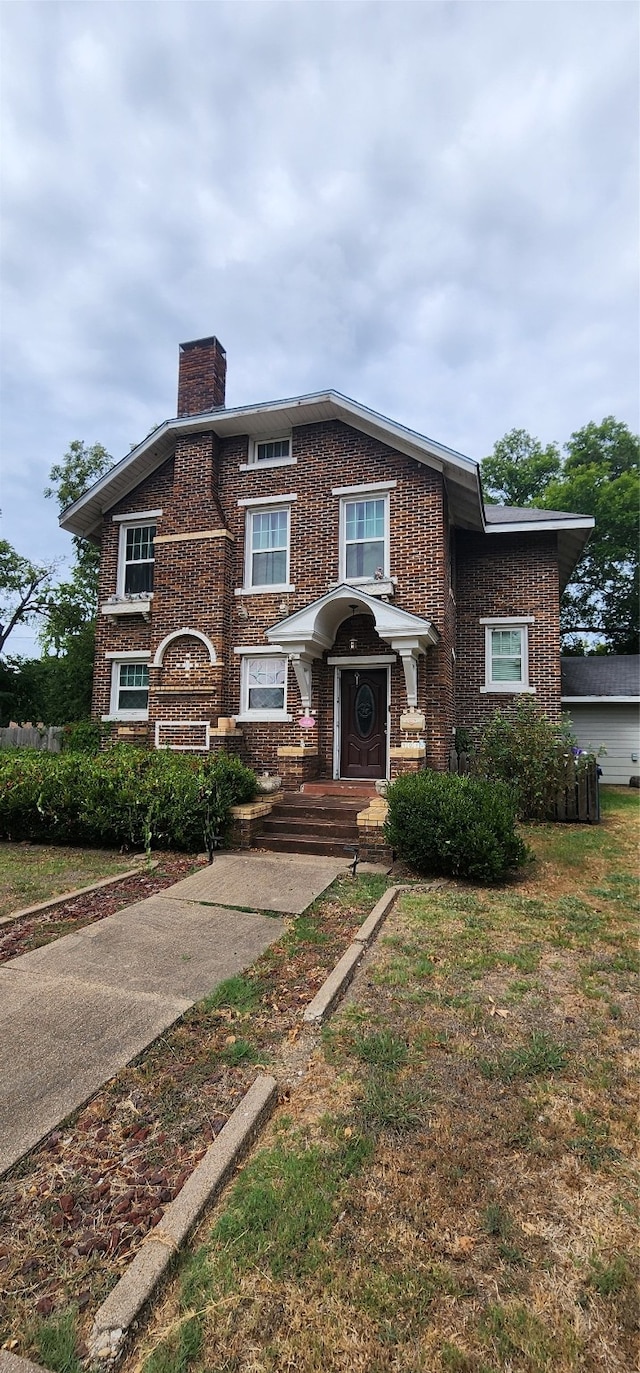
x: 534, y: 526
x: 600, y: 700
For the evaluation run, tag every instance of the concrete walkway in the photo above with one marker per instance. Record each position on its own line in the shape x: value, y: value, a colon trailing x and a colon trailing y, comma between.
x: 76, y: 1011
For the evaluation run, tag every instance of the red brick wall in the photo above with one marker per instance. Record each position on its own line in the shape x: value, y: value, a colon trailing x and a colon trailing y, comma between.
x: 196, y: 579
x: 505, y: 575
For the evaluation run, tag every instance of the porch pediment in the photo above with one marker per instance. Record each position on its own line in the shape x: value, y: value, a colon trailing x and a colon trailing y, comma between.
x: 312, y: 630
x: 306, y: 634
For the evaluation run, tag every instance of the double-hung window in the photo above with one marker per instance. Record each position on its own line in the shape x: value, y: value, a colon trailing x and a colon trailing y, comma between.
x: 269, y: 536
x: 267, y: 543
x: 136, y: 559
x: 507, y: 654
x: 365, y: 542
x: 129, y: 687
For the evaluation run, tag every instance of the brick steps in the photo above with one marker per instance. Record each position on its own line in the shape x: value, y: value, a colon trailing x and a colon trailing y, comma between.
x: 321, y: 818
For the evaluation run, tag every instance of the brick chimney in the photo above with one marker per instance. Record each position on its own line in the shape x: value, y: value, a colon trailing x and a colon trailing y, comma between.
x: 201, y: 377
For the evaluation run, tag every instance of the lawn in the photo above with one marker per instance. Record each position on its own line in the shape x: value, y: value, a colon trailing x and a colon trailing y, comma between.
x: 446, y: 1186
x: 450, y: 1189
x: 34, y: 872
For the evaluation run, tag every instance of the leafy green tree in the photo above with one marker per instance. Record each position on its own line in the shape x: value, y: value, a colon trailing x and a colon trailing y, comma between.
x: 24, y: 589
x: 519, y: 469
x: 69, y: 628
x: 598, y: 476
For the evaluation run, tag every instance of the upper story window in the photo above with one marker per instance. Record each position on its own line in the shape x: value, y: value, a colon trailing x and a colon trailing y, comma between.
x: 364, y: 538
x: 267, y: 543
x: 135, y: 570
x: 275, y: 451
x: 270, y: 450
x: 507, y: 654
x: 268, y: 539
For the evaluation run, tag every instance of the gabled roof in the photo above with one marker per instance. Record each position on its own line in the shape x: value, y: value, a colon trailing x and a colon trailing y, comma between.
x: 604, y: 677
x: 461, y: 474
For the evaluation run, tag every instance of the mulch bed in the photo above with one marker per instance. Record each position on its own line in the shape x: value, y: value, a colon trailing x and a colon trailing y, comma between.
x: 73, y: 1213
x: 34, y: 930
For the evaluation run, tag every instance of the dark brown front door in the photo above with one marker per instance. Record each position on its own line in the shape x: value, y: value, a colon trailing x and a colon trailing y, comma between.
x: 363, y: 723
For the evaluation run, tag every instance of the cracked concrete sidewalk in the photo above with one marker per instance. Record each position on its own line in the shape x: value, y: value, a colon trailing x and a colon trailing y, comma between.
x: 75, y: 1011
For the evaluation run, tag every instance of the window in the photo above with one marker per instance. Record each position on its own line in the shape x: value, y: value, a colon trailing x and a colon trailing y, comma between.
x: 129, y: 690
x: 364, y: 543
x: 268, y: 548
x: 507, y: 655
x: 264, y: 688
x: 271, y: 450
x: 136, y: 559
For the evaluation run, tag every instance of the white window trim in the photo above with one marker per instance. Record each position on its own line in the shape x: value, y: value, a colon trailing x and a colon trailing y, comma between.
x: 249, y: 501
x: 116, y: 662
x: 273, y: 587
x: 364, y: 489
x: 254, y: 464
x: 522, y: 687
x: 125, y: 525
x: 245, y: 713
x: 138, y: 517
x: 129, y: 655
x: 342, y: 568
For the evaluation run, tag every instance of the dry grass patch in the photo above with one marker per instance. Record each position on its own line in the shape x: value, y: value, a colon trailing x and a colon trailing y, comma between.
x: 468, y: 1140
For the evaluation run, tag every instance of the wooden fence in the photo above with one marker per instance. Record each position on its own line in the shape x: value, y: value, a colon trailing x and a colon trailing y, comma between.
x: 577, y: 799
x: 29, y: 736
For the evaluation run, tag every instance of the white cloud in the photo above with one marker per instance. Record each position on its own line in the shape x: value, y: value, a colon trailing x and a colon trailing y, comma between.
x: 431, y: 207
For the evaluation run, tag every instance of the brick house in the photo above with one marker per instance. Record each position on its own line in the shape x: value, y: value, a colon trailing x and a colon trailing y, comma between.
x: 323, y: 576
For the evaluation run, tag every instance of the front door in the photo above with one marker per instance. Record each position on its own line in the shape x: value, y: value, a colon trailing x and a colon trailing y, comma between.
x: 363, y: 722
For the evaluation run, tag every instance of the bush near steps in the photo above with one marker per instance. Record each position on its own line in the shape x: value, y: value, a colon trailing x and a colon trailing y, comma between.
x: 441, y: 823
x: 124, y: 797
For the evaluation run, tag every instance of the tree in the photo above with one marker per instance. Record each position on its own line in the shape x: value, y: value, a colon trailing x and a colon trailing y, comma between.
x: 69, y: 627
x: 24, y: 589
x: 599, y: 476
x: 519, y: 469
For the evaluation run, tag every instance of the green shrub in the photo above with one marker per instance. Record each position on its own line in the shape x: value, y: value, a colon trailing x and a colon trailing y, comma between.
x: 524, y: 748
x: 84, y: 737
x: 124, y: 797
x: 439, y: 822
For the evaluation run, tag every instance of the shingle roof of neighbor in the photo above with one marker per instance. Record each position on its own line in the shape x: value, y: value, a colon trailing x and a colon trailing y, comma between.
x: 606, y: 675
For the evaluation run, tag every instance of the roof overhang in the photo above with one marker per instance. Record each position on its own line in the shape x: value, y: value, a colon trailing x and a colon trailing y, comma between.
x: 461, y: 474
x: 572, y: 532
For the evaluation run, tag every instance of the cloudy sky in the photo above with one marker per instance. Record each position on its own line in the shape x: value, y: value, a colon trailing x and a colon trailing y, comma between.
x: 431, y: 207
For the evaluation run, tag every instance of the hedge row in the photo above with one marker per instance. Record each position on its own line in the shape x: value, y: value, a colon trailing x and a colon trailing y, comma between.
x: 439, y: 822
x: 124, y: 797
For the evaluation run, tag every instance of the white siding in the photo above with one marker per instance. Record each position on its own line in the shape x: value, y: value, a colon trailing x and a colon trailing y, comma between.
x: 614, y: 727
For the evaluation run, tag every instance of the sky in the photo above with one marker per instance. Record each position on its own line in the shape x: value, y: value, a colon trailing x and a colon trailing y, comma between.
x: 430, y: 207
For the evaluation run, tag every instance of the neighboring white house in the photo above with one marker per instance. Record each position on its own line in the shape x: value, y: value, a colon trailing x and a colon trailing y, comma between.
x: 601, y: 696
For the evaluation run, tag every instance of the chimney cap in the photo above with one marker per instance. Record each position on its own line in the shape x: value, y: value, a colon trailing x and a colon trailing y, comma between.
x: 202, y: 343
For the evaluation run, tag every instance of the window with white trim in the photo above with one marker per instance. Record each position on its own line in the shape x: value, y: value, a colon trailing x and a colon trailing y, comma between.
x: 129, y: 690
x: 135, y: 570
x: 268, y: 547
x: 507, y: 655
x: 271, y: 450
x: 364, y: 538
x: 264, y: 688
